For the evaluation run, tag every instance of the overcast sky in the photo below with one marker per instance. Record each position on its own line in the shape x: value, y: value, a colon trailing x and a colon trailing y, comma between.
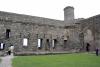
x: 51, y: 8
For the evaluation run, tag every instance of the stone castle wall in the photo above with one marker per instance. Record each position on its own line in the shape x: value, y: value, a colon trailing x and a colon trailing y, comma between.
x: 67, y: 37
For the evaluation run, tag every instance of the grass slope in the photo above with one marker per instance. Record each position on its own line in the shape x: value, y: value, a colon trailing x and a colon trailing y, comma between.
x: 65, y: 60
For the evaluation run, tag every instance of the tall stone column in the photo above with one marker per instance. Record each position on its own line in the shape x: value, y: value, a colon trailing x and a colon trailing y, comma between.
x: 69, y: 15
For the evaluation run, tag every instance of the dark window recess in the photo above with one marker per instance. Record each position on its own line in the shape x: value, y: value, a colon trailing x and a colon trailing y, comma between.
x: 65, y: 43
x: 48, y: 44
x: 8, y: 33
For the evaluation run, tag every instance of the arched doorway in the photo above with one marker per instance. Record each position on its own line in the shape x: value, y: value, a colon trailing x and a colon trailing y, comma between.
x: 88, y: 40
x: 87, y: 47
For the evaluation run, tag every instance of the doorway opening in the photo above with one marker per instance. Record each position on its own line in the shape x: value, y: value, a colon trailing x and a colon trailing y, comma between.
x: 87, y: 47
x: 65, y: 43
x: 8, y: 33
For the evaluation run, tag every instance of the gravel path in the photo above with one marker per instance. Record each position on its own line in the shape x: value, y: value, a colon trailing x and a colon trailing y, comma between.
x: 6, y: 61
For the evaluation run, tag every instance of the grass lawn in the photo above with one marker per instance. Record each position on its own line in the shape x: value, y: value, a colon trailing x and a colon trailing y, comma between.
x: 64, y: 60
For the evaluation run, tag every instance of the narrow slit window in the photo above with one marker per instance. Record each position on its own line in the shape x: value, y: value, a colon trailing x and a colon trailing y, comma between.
x: 39, y: 43
x: 54, y: 42
x: 2, y: 45
x: 25, y: 42
x: 8, y: 33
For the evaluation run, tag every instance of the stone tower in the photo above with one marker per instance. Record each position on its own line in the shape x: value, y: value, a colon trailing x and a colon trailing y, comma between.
x: 69, y: 15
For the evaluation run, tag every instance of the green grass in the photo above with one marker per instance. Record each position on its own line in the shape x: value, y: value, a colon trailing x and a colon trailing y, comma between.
x: 64, y: 60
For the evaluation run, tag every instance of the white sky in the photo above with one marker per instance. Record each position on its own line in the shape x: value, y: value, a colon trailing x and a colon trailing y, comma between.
x: 51, y: 8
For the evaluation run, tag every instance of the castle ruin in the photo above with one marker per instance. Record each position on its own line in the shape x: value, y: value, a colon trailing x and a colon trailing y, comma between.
x: 31, y: 34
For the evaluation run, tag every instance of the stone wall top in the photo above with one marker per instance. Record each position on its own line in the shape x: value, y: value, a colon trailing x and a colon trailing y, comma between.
x: 30, y: 19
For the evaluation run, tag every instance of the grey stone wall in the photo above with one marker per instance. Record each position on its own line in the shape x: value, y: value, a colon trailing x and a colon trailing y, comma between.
x: 32, y: 32
x: 29, y: 19
x: 68, y: 37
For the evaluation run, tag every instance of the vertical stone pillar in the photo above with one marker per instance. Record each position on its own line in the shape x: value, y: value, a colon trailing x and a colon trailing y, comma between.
x: 69, y: 15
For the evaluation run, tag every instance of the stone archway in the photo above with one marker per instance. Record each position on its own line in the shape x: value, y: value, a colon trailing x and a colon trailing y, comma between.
x: 86, y: 36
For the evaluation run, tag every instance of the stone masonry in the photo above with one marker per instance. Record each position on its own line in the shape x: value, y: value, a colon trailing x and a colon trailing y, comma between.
x: 70, y: 34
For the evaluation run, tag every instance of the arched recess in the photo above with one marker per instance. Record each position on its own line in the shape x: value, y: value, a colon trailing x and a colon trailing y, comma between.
x: 88, y: 39
x: 88, y: 36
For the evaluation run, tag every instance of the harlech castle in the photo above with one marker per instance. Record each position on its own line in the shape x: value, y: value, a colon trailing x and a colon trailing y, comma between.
x: 38, y: 35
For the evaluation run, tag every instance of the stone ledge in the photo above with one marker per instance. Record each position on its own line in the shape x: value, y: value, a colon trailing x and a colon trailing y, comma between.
x: 43, y: 53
